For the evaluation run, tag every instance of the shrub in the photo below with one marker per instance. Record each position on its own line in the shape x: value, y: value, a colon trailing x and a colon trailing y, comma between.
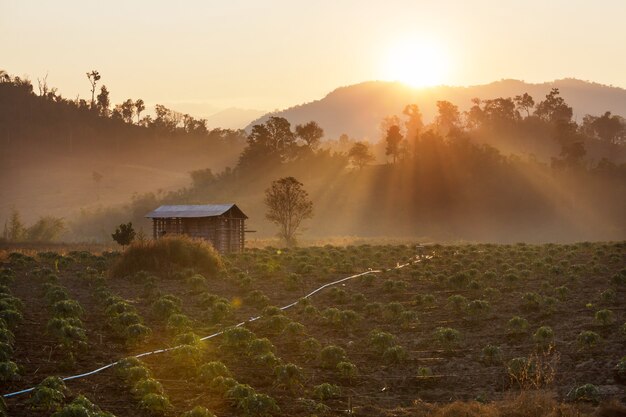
x: 380, y: 341
x: 457, y: 302
x: 289, y: 376
x: 166, y: 255
x: 8, y: 371
x: 347, y: 370
x: 178, y: 323
x: 211, y: 370
x: 604, y: 317
x: 260, y: 346
x: 237, y: 338
x: 147, y: 386
x: 136, y: 333
x: 531, y: 301
x: 165, y: 306
x: 222, y: 384
x: 586, y: 393
x: 447, y: 337
x: 67, y: 308
x: 48, y: 395
x: 326, y: 391
x: 491, y: 355
x: 331, y: 355
x: 543, y: 336
x: 477, y: 309
x: 517, y: 325
x: 197, y: 282
x: 588, y: 339
x: 155, y: 404
x: 81, y: 406
x: 394, y: 355
x: 310, y: 348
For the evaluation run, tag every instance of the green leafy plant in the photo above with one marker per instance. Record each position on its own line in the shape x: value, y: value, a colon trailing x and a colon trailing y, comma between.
x: 331, y: 355
x: 604, y: 317
x: 447, y: 337
x: 326, y: 391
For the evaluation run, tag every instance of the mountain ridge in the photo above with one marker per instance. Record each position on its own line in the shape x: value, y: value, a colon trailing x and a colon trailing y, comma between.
x: 357, y: 109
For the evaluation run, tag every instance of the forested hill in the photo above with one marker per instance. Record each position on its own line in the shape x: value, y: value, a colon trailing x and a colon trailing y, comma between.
x: 358, y: 109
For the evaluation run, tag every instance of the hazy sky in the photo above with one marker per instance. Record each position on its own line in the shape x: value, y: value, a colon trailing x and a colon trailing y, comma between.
x: 276, y: 53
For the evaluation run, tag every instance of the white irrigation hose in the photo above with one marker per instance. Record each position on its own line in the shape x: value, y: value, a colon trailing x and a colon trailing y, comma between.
x: 250, y: 320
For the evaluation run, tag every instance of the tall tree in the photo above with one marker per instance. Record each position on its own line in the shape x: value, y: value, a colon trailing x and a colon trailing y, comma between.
x: 448, y: 118
x: 360, y: 155
x: 393, y: 139
x: 139, y: 108
x: 128, y: 110
x: 414, y: 123
x: 525, y: 102
x: 311, y: 133
x: 554, y: 109
x: 103, y: 101
x: 93, y: 77
x: 288, y: 205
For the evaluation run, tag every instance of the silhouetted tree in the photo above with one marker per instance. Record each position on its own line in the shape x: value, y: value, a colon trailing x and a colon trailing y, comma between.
x: 127, y: 109
x: 124, y: 234
x: 448, y: 118
x: 609, y: 128
x: 360, y: 155
x: 554, y: 109
x: 103, y: 101
x: 393, y: 139
x: 16, y: 229
x: 288, y: 205
x: 311, y: 133
x: 93, y: 77
x: 525, y: 102
x: 139, y: 108
x: 414, y: 123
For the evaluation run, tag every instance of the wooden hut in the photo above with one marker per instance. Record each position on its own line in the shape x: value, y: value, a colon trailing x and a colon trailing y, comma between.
x: 220, y: 224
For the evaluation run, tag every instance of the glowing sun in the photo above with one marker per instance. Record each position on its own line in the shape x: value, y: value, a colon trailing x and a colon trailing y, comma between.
x: 417, y: 63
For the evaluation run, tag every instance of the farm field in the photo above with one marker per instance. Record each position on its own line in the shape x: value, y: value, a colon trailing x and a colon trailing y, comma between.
x: 418, y: 331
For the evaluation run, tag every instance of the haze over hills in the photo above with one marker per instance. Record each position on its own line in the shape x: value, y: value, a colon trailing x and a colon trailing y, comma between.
x: 357, y: 110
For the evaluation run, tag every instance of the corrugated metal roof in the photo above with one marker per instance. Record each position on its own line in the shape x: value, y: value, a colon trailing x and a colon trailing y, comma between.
x: 203, y: 210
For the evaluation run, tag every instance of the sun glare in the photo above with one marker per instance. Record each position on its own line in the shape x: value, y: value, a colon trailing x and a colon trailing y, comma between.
x: 417, y: 63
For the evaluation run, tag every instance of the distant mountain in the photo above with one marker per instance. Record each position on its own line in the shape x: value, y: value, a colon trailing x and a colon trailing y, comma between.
x: 358, y: 109
x: 233, y: 118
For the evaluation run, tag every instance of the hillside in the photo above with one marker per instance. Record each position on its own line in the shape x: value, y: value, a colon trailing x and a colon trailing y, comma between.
x: 358, y: 109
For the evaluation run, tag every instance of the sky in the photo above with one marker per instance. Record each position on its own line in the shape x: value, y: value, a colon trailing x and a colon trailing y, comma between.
x: 273, y: 54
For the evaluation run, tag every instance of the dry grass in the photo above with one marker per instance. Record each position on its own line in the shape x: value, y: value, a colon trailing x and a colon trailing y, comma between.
x: 165, y: 255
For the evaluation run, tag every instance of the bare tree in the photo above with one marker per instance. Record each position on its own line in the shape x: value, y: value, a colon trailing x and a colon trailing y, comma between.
x: 93, y: 77
x: 288, y: 205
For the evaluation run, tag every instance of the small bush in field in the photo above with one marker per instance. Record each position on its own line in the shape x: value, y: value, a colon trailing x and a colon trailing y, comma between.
x: 147, y: 386
x: 544, y: 336
x: 517, y: 325
x: 310, y: 348
x: 380, y: 341
x: 178, y: 323
x: 209, y: 371
x: 457, y: 302
x: 8, y: 371
x: 289, y: 376
x: 394, y: 355
x: 588, y: 339
x: 491, y: 355
x: 604, y: 317
x: 331, y: 355
x: 447, y: 337
x: 165, y: 306
x: 326, y: 391
x: 347, y: 370
x: 155, y: 404
x: 48, y: 395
